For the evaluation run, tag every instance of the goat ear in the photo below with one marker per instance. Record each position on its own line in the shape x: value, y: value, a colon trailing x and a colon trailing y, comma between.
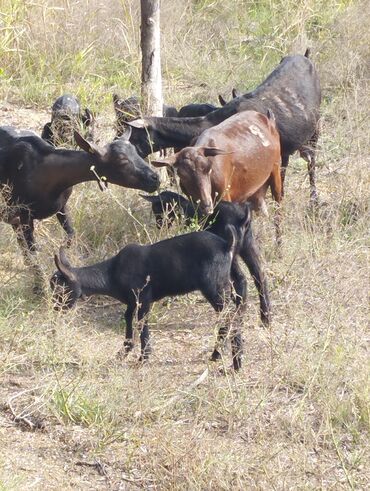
x: 137, y: 123
x: 235, y: 93
x: 85, y: 145
x: 88, y: 117
x: 150, y: 198
x: 63, y: 257
x: 212, y: 151
x: 222, y: 100
x: 126, y: 134
x: 115, y: 98
x: 169, y: 161
x: 64, y: 268
x: 247, y: 217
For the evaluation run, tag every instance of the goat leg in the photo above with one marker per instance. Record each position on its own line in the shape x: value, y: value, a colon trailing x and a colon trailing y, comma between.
x: 221, y: 336
x: 284, y: 165
x: 239, y: 285
x: 144, y: 330
x: 250, y: 256
x: 218, y: 303
x: 24, y: 231
x: 128, y: 344
x: 64, y: 219
x: 236, y: 339
x: 308, y: 153
x: 236, y: 347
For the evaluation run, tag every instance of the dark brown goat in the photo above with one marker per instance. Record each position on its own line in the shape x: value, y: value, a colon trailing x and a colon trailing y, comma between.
x: 40, y: 177
x: 235, y: 161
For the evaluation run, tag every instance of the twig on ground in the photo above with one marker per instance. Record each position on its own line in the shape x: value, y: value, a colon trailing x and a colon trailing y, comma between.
x: 99, y: 466
x: 23, y: 418
x: 178, y: 396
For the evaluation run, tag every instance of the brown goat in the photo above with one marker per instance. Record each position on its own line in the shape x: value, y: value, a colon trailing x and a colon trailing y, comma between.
x: 236, y: 160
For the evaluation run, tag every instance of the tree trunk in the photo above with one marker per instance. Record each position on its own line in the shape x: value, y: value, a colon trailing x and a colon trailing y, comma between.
x: 151, y: 77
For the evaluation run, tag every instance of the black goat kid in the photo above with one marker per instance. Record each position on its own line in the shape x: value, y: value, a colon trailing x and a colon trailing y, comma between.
x: 40, y: 177
x: 67, y: 115
x: 140, y: 275
x: 168, y: 203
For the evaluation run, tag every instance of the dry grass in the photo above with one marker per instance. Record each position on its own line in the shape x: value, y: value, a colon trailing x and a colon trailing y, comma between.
x: 297, y: 416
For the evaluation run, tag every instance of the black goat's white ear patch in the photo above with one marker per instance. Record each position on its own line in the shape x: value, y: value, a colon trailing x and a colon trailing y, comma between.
x: 137, y: 123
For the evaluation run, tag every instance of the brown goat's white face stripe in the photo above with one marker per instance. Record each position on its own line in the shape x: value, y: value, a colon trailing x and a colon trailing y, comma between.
x: 258, y: 132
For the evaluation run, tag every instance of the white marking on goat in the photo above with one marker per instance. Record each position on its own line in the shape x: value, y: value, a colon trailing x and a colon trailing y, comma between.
x: 282, y: 104
x: 295, y: 98
x: 138, y: 123
x: 256, y: 131
x: 291, y: 93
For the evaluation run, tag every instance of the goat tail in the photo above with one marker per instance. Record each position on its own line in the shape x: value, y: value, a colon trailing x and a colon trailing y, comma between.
x: 231, y: 239
x: 307, y: 53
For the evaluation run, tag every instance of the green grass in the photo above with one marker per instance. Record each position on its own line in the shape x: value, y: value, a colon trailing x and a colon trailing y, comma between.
x: 222, y: 45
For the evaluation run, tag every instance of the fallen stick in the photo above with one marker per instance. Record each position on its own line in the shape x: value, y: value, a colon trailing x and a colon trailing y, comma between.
x: 176, y: 397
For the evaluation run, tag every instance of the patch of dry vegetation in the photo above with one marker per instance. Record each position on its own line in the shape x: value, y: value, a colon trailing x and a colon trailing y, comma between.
x: 297, y: 416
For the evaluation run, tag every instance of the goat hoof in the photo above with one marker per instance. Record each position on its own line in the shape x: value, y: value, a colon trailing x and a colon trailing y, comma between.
x: 143, y: 359
x: 123, y: 352
x: 128, y: 346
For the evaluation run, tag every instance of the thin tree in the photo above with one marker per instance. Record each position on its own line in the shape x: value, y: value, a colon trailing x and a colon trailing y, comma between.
x: 151, y: 76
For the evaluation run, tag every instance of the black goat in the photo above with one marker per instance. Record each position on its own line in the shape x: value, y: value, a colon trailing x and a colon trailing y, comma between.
x: 292, y: 92
x: 170, y: 205
x: 67, y: 116
x: 40, y: 177
x: 140, y: 275
x: 226, y: 213
x: 195, y: 110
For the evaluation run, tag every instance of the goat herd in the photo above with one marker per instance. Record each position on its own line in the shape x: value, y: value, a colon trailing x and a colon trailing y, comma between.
x: 225, y: 158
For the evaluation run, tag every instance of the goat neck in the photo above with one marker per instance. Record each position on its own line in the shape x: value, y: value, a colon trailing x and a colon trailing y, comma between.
x: 69, y: 167
x: 96, y: 279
